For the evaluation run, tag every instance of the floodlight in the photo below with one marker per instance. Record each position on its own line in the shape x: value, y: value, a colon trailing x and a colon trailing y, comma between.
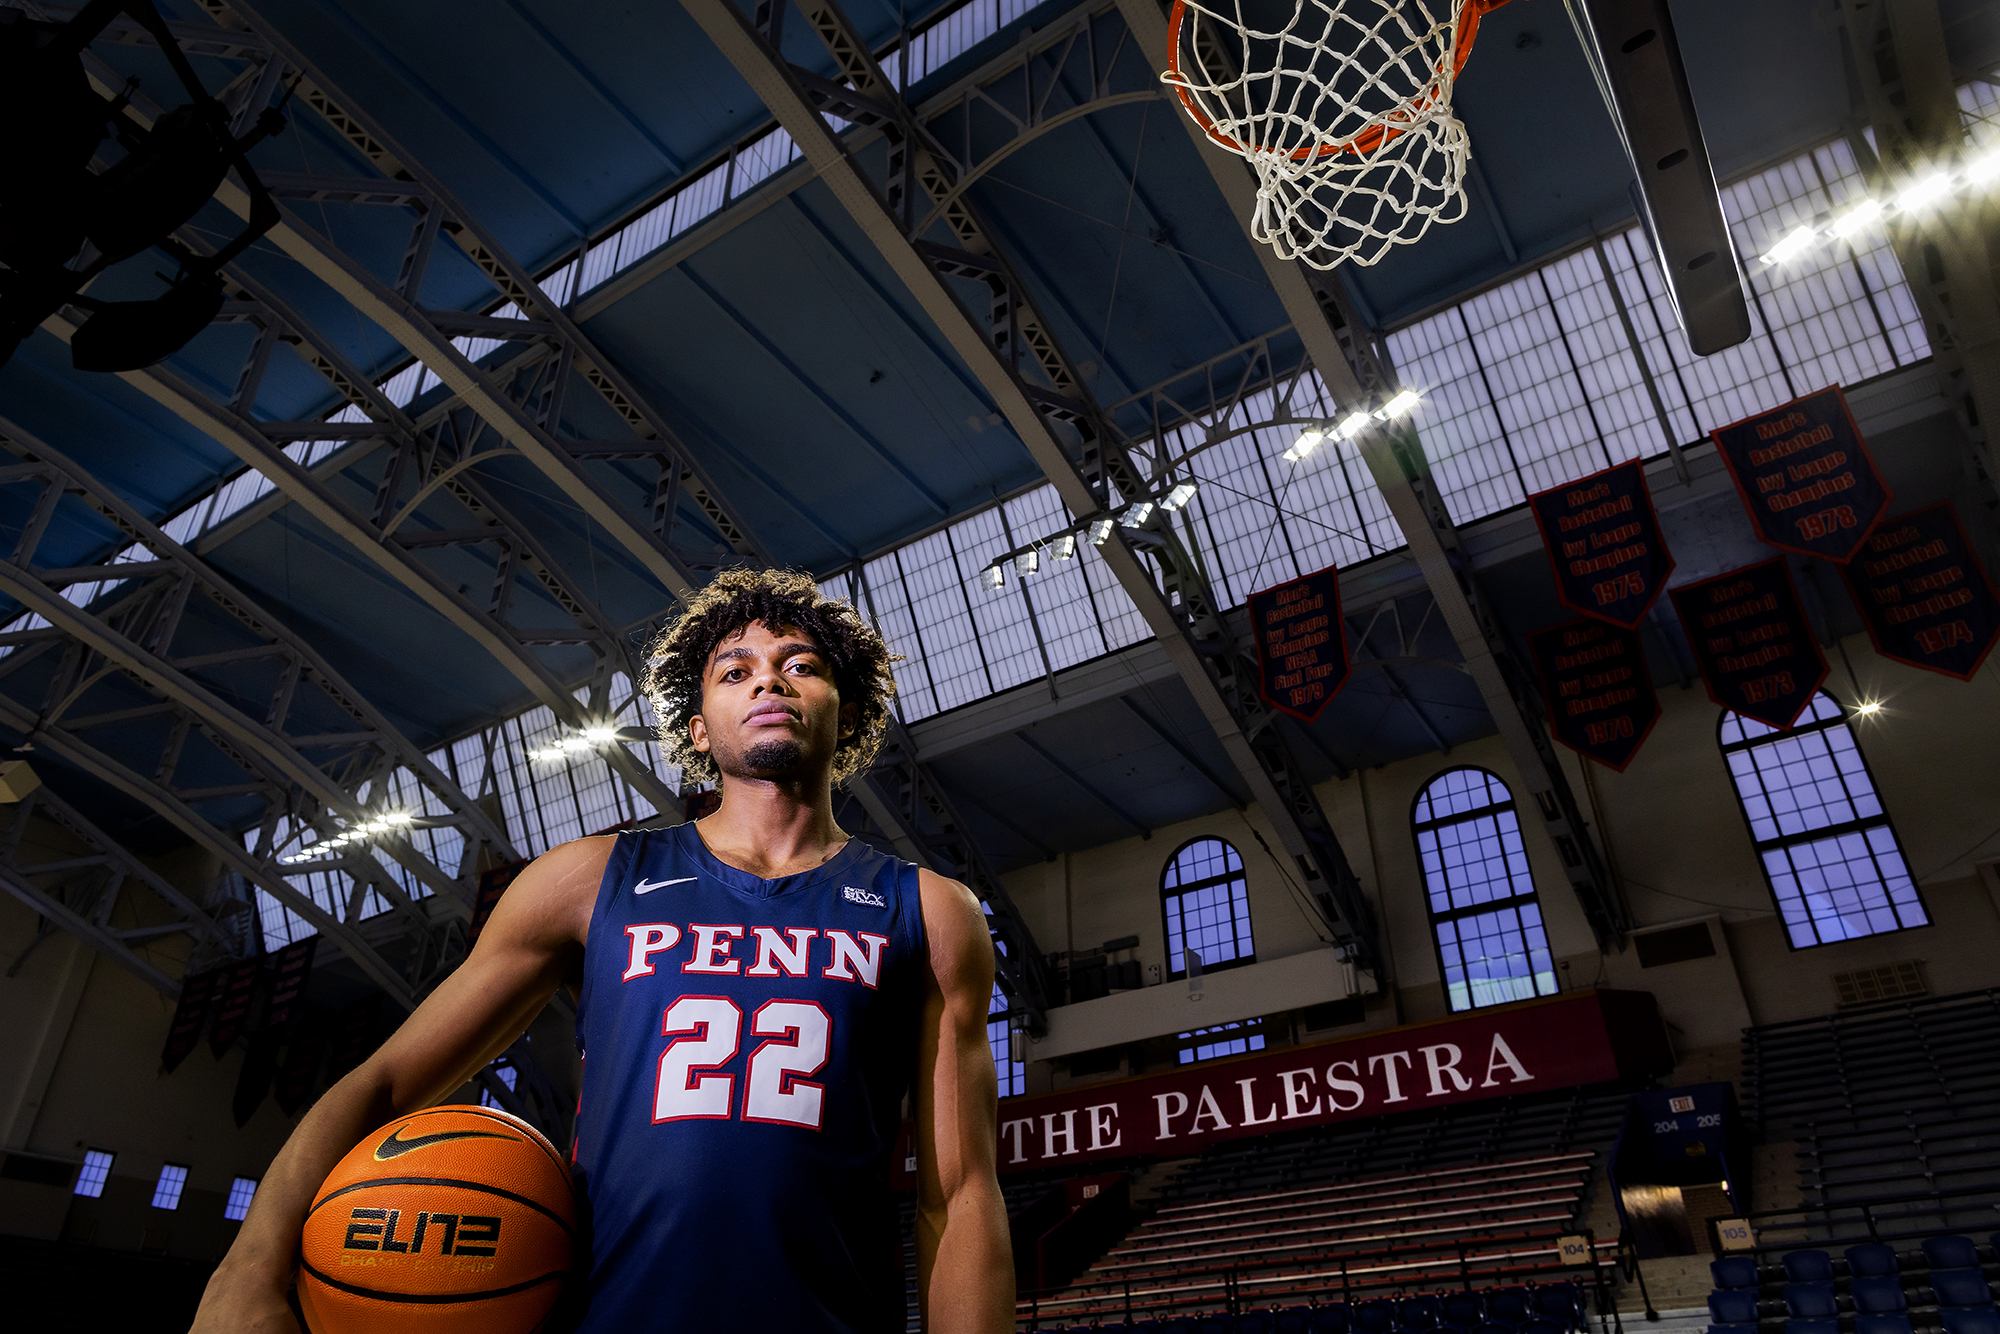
x: 1179, y: 496
x: 1867, y: 707
x: 398, y: 817
x: 1063, y: 547
x: 1921, y: 194
x: 600, y: 734
x: 572, y: 743
x: 1352, y: 424
x: 1027, y: 562
x: 1793, y: 244
x: 1983, y: 170
x: 1399, y: 405
x: 1852, y: 221
x: 1100, y: 529
x: 995, y: 576
x: 1307, y: 442
x: 1137, y: 514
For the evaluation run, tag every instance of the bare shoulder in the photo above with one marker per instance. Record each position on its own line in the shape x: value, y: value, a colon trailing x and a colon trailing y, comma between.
x: 552, y: 899
x: 961, y: 947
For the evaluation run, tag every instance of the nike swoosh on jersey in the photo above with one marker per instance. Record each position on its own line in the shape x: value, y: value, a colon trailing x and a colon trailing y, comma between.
x: 648, y: 886
x: 394, y: 1147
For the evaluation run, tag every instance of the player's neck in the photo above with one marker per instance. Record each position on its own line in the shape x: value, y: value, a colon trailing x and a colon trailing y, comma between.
x: 773, y: 828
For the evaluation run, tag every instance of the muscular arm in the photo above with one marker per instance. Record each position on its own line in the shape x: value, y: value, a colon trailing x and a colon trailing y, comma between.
x: 965, y: 1267
x: 531, y: 944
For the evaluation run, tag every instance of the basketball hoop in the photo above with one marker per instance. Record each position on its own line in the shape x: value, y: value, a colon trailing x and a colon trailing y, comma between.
x: 1341, y: 107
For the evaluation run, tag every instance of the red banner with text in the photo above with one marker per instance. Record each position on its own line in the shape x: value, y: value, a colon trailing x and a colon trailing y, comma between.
x: 1582, y: 1038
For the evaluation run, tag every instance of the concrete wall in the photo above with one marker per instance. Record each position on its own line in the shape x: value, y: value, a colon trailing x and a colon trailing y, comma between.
x: 1678, y: 845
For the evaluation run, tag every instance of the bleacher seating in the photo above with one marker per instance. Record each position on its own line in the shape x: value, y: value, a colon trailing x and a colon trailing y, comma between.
x: 1872, y: 1289
x: 1895, y: 1098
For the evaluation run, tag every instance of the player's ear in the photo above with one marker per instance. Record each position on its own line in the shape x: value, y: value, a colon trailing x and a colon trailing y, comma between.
x: 850, y: 720
x: 698, y: 733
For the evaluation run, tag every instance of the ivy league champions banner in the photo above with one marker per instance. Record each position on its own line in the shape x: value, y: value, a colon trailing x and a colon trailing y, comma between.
x: 1752, y: 642
x: 1603, y: 540
x: 1924, y: 594
x: 1806, y: 477
x: 1601, y: 700
x: 1584, y: 1037
x: 1301, y: 643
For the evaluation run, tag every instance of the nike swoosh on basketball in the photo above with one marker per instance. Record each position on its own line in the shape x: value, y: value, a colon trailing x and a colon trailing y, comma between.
x: 648, y: 886
x: 394, y: 1147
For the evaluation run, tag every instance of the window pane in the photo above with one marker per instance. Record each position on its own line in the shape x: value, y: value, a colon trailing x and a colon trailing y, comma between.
x: 1205, y: 1044
x: 1495, y: 957
x: 1472, y: 860
x: 1796, y: 785
x: 167, y: 1193
x: 241, y: 1192
x: 96, y: 1171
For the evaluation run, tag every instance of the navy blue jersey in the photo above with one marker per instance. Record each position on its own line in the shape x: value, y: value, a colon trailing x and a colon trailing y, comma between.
x: 746, y: 1047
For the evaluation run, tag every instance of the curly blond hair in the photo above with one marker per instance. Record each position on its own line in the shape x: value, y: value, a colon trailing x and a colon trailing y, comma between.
x: 678, y: 659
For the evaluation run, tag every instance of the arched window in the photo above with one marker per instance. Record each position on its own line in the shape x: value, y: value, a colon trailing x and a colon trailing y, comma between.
x: 1206, y: 903
x: 1828, y: 851
x: 1491, y: 945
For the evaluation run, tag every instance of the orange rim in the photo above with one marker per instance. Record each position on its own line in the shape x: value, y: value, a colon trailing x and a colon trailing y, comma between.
x: 1361, y: 144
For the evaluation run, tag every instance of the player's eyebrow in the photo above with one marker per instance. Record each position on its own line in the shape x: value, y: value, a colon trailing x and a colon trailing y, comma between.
x: 782, y: 653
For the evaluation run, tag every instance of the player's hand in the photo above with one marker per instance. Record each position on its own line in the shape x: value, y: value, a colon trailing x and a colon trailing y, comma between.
x: 236, y: 1302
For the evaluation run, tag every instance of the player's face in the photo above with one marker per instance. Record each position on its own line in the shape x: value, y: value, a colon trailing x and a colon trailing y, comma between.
x: 769, y: 707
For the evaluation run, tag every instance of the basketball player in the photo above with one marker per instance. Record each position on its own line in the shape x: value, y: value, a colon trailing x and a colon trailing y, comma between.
x: 755, y: 993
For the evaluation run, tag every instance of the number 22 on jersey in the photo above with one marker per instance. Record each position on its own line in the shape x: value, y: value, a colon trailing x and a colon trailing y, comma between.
x: 707, y: 1033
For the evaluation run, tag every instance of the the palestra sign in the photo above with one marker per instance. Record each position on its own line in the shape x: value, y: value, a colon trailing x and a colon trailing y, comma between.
x: 1583, y: 1038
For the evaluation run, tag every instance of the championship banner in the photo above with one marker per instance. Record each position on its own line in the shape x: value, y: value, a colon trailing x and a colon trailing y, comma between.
x: 1806, y: 476
x: 1584, y: 1037
x: 1301, y: 643
x: 1603, y: 540
x: 492, y: 884
x: 254, y: 1080
x: 232, y: 1006
x: 301, y: 1066
x: 197, y: 997
x: 1752, y: 642
x: 292, y: 966
x: 1924, y: 594
x: 1601, y: 700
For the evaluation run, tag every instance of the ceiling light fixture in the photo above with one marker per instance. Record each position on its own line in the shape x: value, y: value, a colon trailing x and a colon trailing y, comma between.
x: 1027, y: 562
x: 1794, y: 244
x: 1867, y: 707
x: 1179, y: 496
x: 1399, y: 405
x: 1063, y: 547
x: 1852, y: 221
x: 1353, y: 424
x: 1137, y: 514
x: 1307, y: 442
x: 1921, y: 194
x: 1100, y: 529
x: 599, y: 735
x: 995, y: 576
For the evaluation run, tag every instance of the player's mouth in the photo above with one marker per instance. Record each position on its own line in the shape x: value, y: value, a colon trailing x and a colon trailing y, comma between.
x: 771, y: 714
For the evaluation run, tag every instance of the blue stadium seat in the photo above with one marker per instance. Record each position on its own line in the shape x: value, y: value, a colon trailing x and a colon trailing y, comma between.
x: 1419, y: 1314
x: 1509, y: 1306
x: 1463, y: 1310
x: 1897, y: 1322
x: 1970, y: 1320
x: 1492, y: 1327
x: 1180, y: 1325
x: 1717, y: 1327
x: 1877, y: 1294
x: 1826, y: 1325
x: 1951, y: 1253
x: 1961, y: 1287
x: 1810, y: 1301
x: 1374, y: 1317
x: 1217, y: 1324
x: 1562, y: 1303
x: 1732, y: 1306
x: 1734, y: 1271
x: 1872, y: 1260
x: 1809, y: 1267
x: 1333, y: 1318
x: 1145, y: 1327
x: 1295, y: 1320
x: 1254, y: 1322
x: 1541, y: 1326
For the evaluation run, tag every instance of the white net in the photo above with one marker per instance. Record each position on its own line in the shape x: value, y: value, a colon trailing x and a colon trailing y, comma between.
x: 1342, y: 108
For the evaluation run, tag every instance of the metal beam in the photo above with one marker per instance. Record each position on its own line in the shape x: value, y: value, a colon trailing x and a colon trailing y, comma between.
x: 1051, y: 412
x: 1351, y: 370
x: 1084, y: 787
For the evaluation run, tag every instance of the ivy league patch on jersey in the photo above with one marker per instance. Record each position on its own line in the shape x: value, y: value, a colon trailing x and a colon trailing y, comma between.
x: 747, y: 1044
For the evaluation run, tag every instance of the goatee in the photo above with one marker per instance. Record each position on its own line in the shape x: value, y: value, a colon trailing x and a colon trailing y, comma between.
x: 774, y: 757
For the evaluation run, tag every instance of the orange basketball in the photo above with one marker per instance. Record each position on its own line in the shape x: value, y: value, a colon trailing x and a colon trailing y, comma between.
x: 458, y: 1220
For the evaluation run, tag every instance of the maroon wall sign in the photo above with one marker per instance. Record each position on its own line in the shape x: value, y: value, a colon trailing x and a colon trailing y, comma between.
x: 1603, y: 538
x: 1601, y: 700
x: 1752, y: 642
x: 1581, y: 1038
x: 1806, y: 477
x: 190, y: 1013
x: 1301, y: 643
x: 1924, y: 594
